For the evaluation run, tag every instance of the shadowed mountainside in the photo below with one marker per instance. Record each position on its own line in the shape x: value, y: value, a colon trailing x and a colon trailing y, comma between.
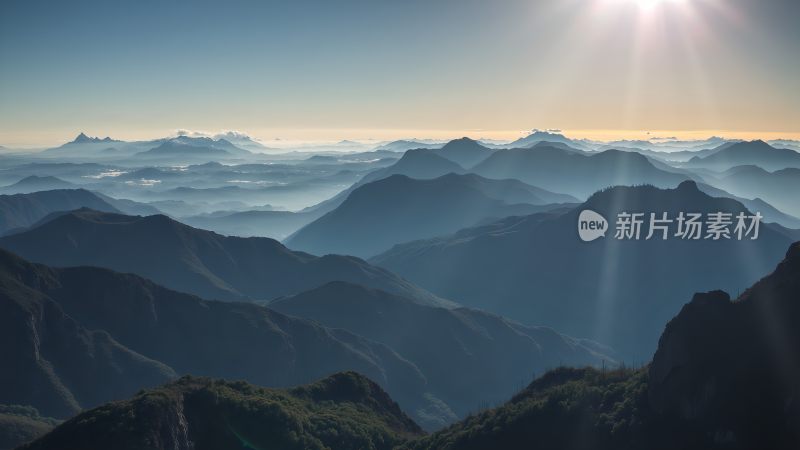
x: 81, y: 336
x: 195, y: 261
x: 725, y: 376
x: 20, y: 211
x: 620, y: 292
x: 469, y: 357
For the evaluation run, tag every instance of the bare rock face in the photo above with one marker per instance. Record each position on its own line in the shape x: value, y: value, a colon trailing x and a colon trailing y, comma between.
x: 720, y: 363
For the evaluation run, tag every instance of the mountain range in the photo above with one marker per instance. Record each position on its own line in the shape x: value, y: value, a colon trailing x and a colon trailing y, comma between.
x: 725, y: 376
x: 756, y: 153
x: 405, y: 144
x: 35, y: 183
x: 770, y: 213
x: 186, y: 148
x: 81, y: 336
x: 468, y: 356
x: 192, y: 260
x: 779, y: 188
x: 539, y: 136
x: 380, y: 214
x: 172, y: 150
x: 20, y: 211
x: 536, y: 269
x: 572, y: 172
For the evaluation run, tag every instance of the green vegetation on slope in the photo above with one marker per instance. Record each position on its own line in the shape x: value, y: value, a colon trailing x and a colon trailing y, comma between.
x: 564, y: 409
x: 343, y: 411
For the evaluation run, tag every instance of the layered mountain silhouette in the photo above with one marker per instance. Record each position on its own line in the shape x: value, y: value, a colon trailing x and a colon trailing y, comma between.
x: 81, y: 336
x: 34, y: 183
x: 725, y: 376
x: 539, y: 136
x: 417, y: 163
x: 573, y: 172
x: 60, y: 366
x: 243, y: 141
x: 195, y: 261
x: 343, y: 411
x: 274, y: 224
x: 770, y: 213
x: 756, y: 153
x: 535, y: 269
x: 465, y: 152
x: 779, y: 188
x: 424, y: 163
x: 404, y: 144
x: 20, y: 211
x: 125, y: 206
x: 84, y: 146
x: 469, y: 357
x: 184, y: 147
x: 380, y: 214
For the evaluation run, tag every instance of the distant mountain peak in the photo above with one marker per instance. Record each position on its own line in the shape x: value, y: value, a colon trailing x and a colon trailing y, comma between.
x: 462, y: 140
x: 82, y: 138
x: 543, y: 133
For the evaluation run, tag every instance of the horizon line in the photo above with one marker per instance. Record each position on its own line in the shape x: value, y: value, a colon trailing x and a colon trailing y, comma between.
x: 288, y: 137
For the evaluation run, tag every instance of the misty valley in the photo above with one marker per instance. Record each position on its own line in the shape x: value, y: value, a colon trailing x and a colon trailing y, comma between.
x: 331, y: 225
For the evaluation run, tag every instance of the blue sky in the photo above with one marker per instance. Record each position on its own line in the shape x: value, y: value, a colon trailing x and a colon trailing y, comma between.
x: 390, y: 68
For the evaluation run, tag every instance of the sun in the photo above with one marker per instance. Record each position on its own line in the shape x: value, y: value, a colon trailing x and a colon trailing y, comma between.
x: 647, y: 4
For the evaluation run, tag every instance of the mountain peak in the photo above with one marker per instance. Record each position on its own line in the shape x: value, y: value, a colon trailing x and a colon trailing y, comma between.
x: 544, y: 133
x: 688, y: 186
x: 82, y: 138
x: 793, y: 254
x: 461, y: 141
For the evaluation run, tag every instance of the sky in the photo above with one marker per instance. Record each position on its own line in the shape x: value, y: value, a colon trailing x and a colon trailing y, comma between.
x: 380, y: 69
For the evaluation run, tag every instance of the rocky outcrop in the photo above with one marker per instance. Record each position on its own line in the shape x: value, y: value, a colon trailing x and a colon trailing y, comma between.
x: 720, y: 363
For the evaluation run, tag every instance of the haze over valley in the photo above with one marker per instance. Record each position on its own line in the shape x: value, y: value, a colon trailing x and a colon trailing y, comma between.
x: 415, y: 225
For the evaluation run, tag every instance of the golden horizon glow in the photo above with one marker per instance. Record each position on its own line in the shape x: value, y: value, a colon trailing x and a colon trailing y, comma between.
x: 287, y: 138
